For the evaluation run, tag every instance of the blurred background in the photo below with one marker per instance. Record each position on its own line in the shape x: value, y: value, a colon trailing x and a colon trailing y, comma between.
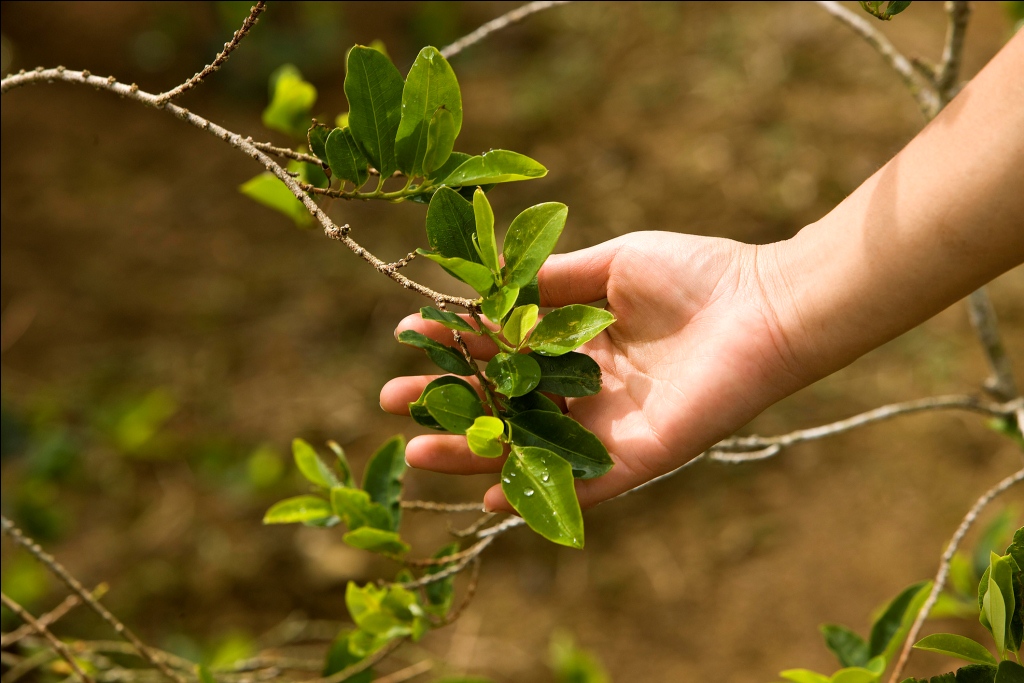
x: 164, y: 337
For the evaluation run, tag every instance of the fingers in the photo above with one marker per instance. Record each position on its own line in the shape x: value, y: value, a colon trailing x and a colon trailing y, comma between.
x: 448, y: 454
x: 479, y: 346
x: 579, y: 277
x: 397, y: 394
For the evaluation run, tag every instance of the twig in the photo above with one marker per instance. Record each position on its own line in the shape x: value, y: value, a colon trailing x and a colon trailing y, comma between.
x: 471, y: 586
x: 983, y: 318
x: 47, y: 620
x: 41, y: 629
x: 957, y: 14
x: 505, y: 20
x: 361, y: 665
x: 947, y: 557
x: 420, y: 667
x: 469, y: 555
x: 430, y: 506
x: 480, y: 523
x: 71, y: 582
x: 218, y: 61
x: 286, y: 153
x: 28, y: 665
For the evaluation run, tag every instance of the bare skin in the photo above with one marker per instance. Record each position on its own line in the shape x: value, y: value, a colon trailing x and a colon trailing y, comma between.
x: 710, y: 332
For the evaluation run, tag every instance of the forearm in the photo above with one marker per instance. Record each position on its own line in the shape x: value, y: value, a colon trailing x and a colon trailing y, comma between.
x: 939, y: 220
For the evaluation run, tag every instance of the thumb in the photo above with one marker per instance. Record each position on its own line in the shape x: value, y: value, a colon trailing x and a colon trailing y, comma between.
x: 579, y: 277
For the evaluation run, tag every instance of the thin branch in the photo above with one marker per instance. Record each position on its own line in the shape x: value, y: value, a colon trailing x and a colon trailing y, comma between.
x: 50, y: 617
x: 480, y: 523
x: 362, y: 665
x: 505, y: 20
x: 430, y: 506
x: 218, y: 61
x: 420, y: 667
x: 983, y: 318
x: 943, y: 573
x: 957, y: 14
x: 468, y: 556
x: 41, y: 629
x: 71, y: 582
x: 921, y: 90
x: 471, y: 586
x: 28, y: 665
x: 286, y: 153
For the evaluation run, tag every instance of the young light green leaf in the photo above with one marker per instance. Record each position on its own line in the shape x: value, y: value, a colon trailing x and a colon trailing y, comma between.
x: 345, y: 158
x: 892, y: 626
x: 376, y: 541
x: 519, y: 324
x: 430, y: 87
x: 957, y: 646
x: 418, y: 408
x: 454, y: 407
x: 451, y: 226
x: 356, y: 509
x: 383, y: 477
x: 513, y: 374
x: 440, y: 593
x: 346, y: 469
x: 484, y: 436
x: 441, y: 134
x: 269, y: 191
x: 311, y: 466
x: 340, y: 656
x: 475, y: 275
x: 999, y: 600
x: 367, y: 609
x: 571, y: 374
x: 291, y: 99
x: 803, y: 676
x: 298, y: 509
x: 374, y: 87
x: 565, y: 437
x: 447, y: 358
x: 532, y: 401
x: 854, y: 674
x: 496, y: 166
x: 848, y: 647
x: 539, y: 485
x: 316, y: 137
x: 567, y: 328
x: 497, y: 305
x: 448, y: 319
x: 530, y: 240
x: 487, y: 245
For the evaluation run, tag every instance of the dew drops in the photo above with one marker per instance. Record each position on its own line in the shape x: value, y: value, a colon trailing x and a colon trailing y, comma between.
x: 544, y: 477
x: 506, y: 480
x: 528, y: 492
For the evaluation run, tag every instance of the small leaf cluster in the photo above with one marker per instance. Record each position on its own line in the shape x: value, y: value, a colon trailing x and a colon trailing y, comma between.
x: 884, y: 9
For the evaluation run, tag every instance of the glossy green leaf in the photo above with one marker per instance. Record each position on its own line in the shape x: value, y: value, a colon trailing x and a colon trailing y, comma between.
x: 539, y: 485
x: 376, y: 541
x: 447, y: 318
x: 316, y: 138
x: 532, y: 401
x: 803, y: 676
x: 311, y: 466
x: 497, y: 305
x: 892, y: 626
x: 346, y: 469
x: 454, y: 407
x: 441, y: 134
x: 454, y: 161
x: 519, y: 324
x: 496, y: 166
x: 418, y: 408
x: 513, y: 374
x: 440, y: 593
x: 529, y: 294
x: 447, y: 358
x: 530, y: 240
x: 430, y: 86
x: 345, y: 158
x: 291, y: 99
x: 486, y: 243
x: 566, y: 329
x: 565, y: 437
x: 451, y: 226
x: 374, y: 87
x: 1009, y: 672
x: 957, y: 646
x: 854, y: 674
x: 340, y: 657
x: 848, y: 647
x: 999, y: 600
x: 484, y: 436
x: 356, y: 509
x: 383, y: 477
x: 298, y: 509
x: 475, y: 275
x: 571, y: 374
x: 268, y: 190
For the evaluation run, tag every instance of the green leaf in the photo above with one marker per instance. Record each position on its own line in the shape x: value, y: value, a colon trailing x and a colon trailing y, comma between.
x: 998, y: 604
x: 340, y: 657
x: 418, y: 408
x: 529, y: 294
x: 513, y: 374
x: 291, y: 99
x: 316, y: 138
x: 448, y: 319
x: 356, y: 509
x: 454, y: 407
x: 892, y: 626
x: 484, y: 436
x: 430, y: 86
x: 539, y: 485
x: 530, y: 240
x: 475, y: 275
x: 957, y: 646
x: 961, y: 575
x: 268, y: 190
x: 298, y: 509
x: 383, y: 477
x: 1009, y: 672
x: 568, y: 328
x: 572, y: 664
x: 204, y: 675
x: 376, y: 541
x: 571, y: 374
x: 454, y: 161
x: 848, y: 647
x: 854, y: 674
x: 487, y: 245
x: 385, y: 612
x: 451, y: 226
x: 497, y: 305
x: 565, y: 437
x: 496, y: 166
x: 346, y: 469
x: 519, y: 324
x: 311, y: 466
x: 345, y: 158
x: 441, y: 134
x: 312, y: 174
x: 976, y: 673
x: 803, y: 676
x: 447, y: 358
x: 440, y: 593
x: 532, y: 401
x: 374, y: 87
